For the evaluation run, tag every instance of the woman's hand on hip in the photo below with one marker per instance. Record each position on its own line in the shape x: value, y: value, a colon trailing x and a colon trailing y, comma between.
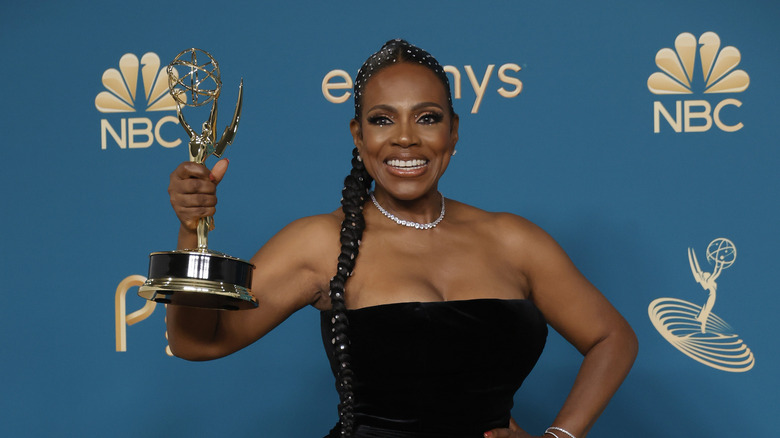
x: 513, y: 431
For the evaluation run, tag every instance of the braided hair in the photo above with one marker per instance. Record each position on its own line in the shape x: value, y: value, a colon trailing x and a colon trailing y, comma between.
x: 395, y: 52
x: 354, y: 195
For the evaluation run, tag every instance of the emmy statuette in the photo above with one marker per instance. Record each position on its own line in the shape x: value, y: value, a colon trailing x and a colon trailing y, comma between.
x: 200, y: 277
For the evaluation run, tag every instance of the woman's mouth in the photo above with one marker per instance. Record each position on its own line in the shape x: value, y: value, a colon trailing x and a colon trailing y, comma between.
x: 406, y: 168
x: 407, y: 164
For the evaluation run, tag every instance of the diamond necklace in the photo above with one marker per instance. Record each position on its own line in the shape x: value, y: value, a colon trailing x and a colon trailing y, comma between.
x: 405, y: 223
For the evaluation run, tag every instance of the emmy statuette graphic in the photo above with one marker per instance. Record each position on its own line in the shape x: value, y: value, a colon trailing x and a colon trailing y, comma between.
x: 200, y: 277
x: 696, y: 330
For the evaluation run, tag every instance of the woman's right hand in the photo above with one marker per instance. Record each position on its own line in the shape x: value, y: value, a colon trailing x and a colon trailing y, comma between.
x: 193, y: 191
x: 513, y: 431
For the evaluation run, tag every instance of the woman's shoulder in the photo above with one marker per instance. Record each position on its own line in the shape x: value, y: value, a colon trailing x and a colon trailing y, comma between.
x: 307, y: 246
x: 312, y: 229
x: 318, y: 222
x: 510, y: 235
x: 499, y: 222
x: 505, y: 231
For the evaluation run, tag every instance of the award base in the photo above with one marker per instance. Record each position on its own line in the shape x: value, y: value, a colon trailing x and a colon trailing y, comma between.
x: 205, y: 279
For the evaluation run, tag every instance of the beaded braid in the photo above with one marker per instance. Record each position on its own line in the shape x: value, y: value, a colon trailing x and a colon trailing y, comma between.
x: 354, y: 195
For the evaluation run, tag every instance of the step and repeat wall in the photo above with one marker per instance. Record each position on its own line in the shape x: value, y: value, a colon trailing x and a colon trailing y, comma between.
x: 641, y: 135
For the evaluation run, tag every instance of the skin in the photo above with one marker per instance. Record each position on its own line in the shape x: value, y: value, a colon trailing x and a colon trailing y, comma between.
x: 471, y: 254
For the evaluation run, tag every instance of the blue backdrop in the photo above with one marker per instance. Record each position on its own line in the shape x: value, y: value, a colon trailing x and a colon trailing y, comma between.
x: 574, y: 151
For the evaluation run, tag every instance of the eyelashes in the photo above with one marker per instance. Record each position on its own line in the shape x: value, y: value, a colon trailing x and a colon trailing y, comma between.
x: 430, y: 118
x: 379, y: 120
x: 426, y: 118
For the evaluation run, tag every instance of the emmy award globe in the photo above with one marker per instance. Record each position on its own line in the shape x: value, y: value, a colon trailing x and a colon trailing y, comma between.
x: 200, y: 277
x: 722, y: 253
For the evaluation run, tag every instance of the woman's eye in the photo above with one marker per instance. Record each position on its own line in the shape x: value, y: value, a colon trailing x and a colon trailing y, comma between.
x: 379, y: 120
x: 430, y: 118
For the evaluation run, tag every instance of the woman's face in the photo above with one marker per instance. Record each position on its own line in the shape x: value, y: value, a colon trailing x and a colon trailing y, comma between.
x: 406, y: 134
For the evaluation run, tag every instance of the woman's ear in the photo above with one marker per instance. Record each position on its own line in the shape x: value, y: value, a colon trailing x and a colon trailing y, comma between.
x: 454, y: 130
x: 357, y: 133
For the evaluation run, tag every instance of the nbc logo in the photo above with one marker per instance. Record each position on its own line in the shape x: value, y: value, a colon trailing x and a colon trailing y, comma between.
x: 678, y: 76
x: 122, y: 95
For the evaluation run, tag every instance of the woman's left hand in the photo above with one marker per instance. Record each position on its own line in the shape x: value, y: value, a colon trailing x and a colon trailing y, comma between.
x: 514, y: 431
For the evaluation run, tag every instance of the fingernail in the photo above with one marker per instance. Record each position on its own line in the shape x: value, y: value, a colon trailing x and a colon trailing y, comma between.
x: 212, y: 177
x: 488, y: 434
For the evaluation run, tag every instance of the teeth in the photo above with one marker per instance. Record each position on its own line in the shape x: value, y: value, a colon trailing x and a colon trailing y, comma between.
x: 407, y: 163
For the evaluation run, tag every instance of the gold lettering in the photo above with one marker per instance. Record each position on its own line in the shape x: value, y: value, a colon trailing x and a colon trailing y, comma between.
x: 697, y: 115
x: 509, y: 80
x: 132, y: 131
x: 716, y: 115
x: 164, y: 143
x: 456, y: 80
x: 122, y: 320
x: 479, y: 88
x: 121, y: 140
x: 327, y: 86
x: 675, y: 123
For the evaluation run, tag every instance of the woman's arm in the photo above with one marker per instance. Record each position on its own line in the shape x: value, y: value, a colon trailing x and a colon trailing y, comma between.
x: 291, y: 272
x: 581, y: 314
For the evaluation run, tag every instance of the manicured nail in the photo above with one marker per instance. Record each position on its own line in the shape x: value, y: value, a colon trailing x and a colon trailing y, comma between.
x: 488, y: 434
x: 212, y: 178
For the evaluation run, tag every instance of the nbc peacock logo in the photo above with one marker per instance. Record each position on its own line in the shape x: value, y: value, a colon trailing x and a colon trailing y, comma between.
x: 122, y: 94
x: 717, y: 75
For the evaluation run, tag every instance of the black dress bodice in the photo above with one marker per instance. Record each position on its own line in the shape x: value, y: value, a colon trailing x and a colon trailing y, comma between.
x: 438, y: 369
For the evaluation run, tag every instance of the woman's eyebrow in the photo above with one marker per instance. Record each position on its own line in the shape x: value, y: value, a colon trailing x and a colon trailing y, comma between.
x: 386, y: 107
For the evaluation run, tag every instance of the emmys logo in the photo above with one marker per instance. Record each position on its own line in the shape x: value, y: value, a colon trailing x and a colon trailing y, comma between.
x: 678, y: 76
x: 122, y: 96
x: 123, y: 319
x: 343, y: 81
x: 695, y: 330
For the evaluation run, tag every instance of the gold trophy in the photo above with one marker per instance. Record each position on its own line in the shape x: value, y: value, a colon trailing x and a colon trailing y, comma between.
x: 200, y: 277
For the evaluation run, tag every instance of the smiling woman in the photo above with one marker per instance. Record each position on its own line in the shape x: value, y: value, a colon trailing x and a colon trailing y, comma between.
x: 435, y: 311
x: 406, y: 135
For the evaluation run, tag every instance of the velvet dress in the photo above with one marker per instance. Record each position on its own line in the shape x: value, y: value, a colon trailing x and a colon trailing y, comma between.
x: 438, y: 369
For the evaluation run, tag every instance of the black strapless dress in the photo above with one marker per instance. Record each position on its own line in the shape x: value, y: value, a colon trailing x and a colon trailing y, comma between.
x: 439, y: 369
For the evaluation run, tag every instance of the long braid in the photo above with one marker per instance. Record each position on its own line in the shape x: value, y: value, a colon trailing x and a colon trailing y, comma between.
x: 356, y: 187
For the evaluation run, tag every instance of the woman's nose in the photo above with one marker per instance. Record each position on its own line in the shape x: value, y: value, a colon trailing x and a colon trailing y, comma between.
x: 406, y: 135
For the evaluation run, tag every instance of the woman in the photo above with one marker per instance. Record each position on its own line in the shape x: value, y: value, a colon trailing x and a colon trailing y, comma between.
x: 436, y: 310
